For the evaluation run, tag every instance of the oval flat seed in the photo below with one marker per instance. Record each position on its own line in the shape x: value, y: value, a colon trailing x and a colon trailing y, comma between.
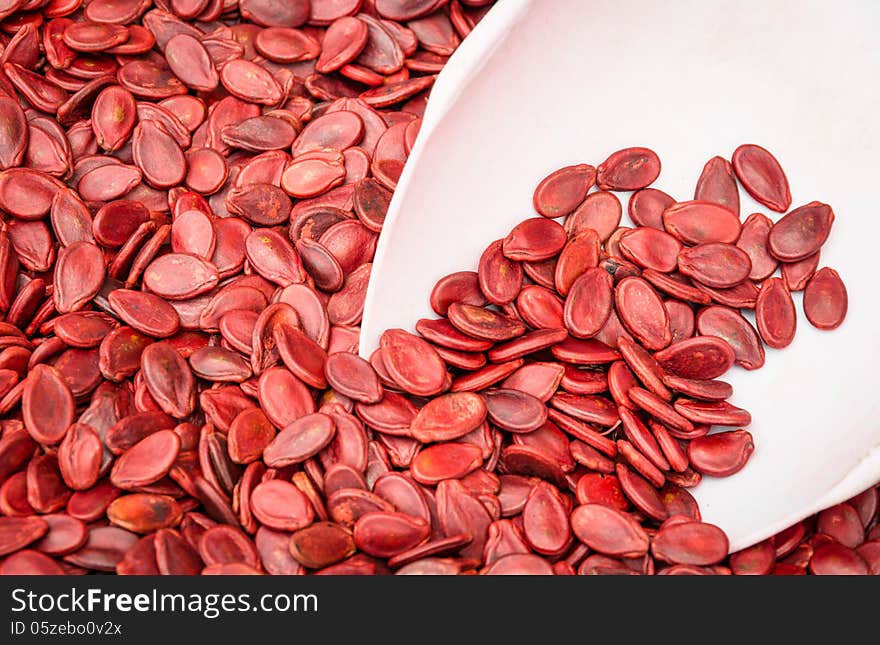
x: 639, y: 435
x: 801, y: 232
x: 483, y: 324
x: 836, y: 560
x: 694, y: 543
x: 599, y: 212
x: 651, y: 249
x: 762, y: 176
x: 701, y: 357
x: 280, y: 505
x: 580, y: 254
x: 609, y: 531
x: 717, y: 184
x: 515, y: 411
x: 704, y: 389
x: 715, y: 264
x: 179, y: 276
x: 737, y: 331
x: 500, y: 278
x: 541, y: 380
x: 754, y: 240
x: 79, y: 275
x: 47, y: 405
x: 302, y: 439
x: 598, y: 488
x: 756, y: 560
x: 534, y: 240
x: 413, y: 363
x: 721, y: 454
x: 628, y: 169
x: 701, y: 222
x: 249, y: 434
x: 301, y: 355
x: 642, y: 312
x: 642, y: 493
x: 588, y: 303
x: 775, y: 314
x: 561, y: 191
x: 825, y: 299
x: 191, y: 63
x: 713, y: 412
x: 449, y: 417
x: 386, y: 534
x: 144, y: 513
x: 169, y: 379
x: 18, y: 532
x: 681, y: 319
x: 796, y: 275
x: 146, y: 312
x: 321, y: 544
x: 283, y: 397
x: 646, y: 206
x: 248, y: 81
x: 590, y: 408
x: 354, y: 377
x: 486, y: 377
x: 645, y: 367
x: 147, y: 461
x: 545, y: 520
x: 445, y: 461
x: 842, y: 523
x: 158, y: 155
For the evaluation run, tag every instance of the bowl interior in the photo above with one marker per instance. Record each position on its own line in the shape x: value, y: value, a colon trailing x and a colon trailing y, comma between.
x: 539, y: 85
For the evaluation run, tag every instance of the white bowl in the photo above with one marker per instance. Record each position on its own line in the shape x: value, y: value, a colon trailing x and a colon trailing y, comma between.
x: 541, y: 84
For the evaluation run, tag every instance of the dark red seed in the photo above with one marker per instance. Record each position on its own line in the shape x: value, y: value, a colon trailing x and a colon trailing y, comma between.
x: 775, y: 314
x: 762, y: 176
x: 825, y: 299
x: 628, y: 169
x: 717, y: 184
x: 721, y: 454
x: 692, y: 543
x: 801, y: 233
x: 561, y: 191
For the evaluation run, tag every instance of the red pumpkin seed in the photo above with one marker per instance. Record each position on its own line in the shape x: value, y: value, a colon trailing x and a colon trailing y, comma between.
x: 702, y: 357
x: 796, y: 275
x: 560, y: 192
x: 534, y: 240
x: 837, y: 560
x: 842, y: 523
x: 302, y: 439
x: 715, y: 264
x: 642, y: 312
x: 825, y: 299
x: 609, y: 531
x: 693, y: 543
x: 445, y: 461
x: 762, y: 176
x: 801, y: 233
x: 651, y: 249
x: 753, y: 240
x: 515, y: 411
x: 500, y: 278
x: 588, y: 303
x: 702, y: 222
x: 717, y: 184
x: 599, y: 212
x: 628, y: 169
x: 775, y: 314
x: 386, y: 534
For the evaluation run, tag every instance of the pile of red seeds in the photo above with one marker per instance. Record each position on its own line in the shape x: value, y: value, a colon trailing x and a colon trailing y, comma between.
x: 191, y: 192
